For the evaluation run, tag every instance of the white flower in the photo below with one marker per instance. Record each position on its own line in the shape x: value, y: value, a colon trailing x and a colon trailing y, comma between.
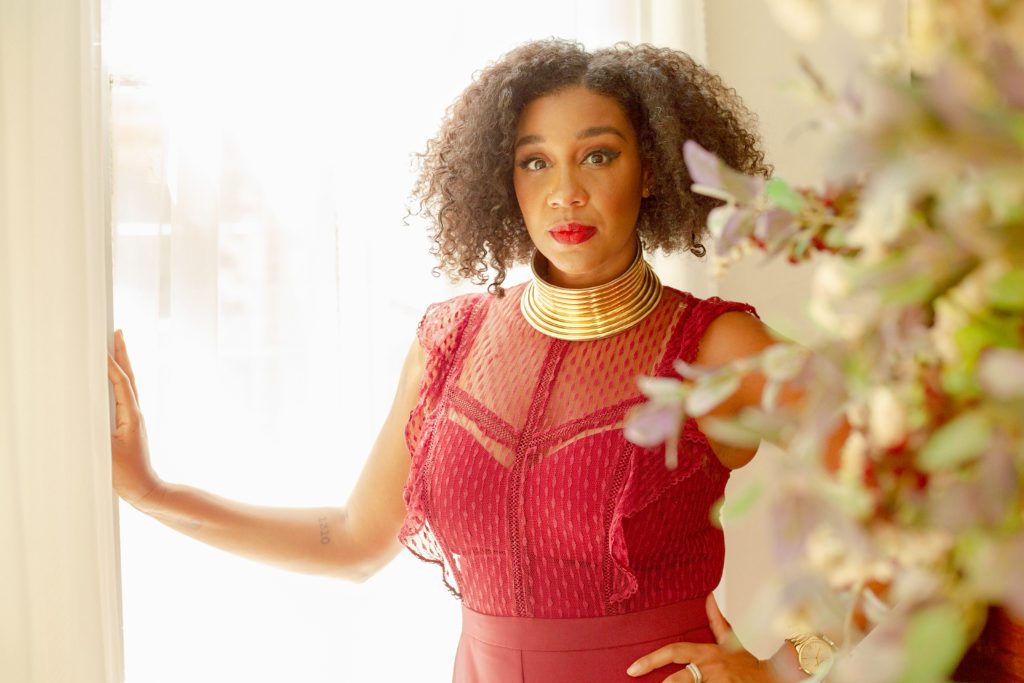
x: 847, y: 319
x: 915, y: 549
x: 887, y: 418
x: 1001, y: 372
x: 836, y: 305
x: 883, y: 218
x: 844, y: 567
x: 853, y: 457
x: 832, y: 279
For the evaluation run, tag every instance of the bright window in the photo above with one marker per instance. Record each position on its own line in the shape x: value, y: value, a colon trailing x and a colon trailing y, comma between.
x: 268, y: 290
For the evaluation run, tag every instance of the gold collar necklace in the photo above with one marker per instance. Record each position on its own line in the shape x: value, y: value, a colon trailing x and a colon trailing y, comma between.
x: 591, y: 312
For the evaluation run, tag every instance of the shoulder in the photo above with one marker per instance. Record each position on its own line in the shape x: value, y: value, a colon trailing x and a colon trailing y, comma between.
x: 444, y: 319
x: 731, y: 331
x: 716, y: 330
x: 722, y: 331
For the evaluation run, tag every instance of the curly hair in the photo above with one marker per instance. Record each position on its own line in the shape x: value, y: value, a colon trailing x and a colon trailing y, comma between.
x: 465, y: 188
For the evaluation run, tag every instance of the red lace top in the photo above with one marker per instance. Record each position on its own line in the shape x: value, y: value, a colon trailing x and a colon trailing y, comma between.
x: 522, y: 486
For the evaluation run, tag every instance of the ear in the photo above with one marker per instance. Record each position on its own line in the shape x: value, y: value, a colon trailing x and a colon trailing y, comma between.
x: 646, y: 180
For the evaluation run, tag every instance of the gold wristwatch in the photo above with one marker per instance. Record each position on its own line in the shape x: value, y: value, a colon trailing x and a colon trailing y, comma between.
x: 813, y: 651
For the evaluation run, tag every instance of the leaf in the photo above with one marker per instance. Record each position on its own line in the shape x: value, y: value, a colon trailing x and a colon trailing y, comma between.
x: 702, y: 164
x: 959, y: 381
x: 799, y: 247
x: 783, y: 196
x: 958, y: 441
x: 708, y: 393
x: 770, y: 394
x: 713, y: 177
x: 772, y: 224
x: 780, y: 241
x: 661, y: 389
x: 835, y: 236
x: 740, y: 503
x: 730, y: 431
x: 691, y: 371
x: 729, y: 225
x: 650, y: 424
x: 1007, y: 292
x: 911, y: 289
x: 718, y: 218
x: 735, y: 230
x: 711, y: 191
x: 743, y: 187
x: 935, y: 642
x: 782, y: 362
x: 984, y: 332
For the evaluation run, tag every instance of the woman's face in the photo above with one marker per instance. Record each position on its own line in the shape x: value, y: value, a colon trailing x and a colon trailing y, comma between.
x: 578, y: 180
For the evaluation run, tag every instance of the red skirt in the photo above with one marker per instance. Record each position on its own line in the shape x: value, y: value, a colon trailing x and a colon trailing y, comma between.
x: 495, y: 649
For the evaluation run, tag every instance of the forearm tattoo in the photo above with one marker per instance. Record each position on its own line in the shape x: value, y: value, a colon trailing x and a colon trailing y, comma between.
x: 325, y: 532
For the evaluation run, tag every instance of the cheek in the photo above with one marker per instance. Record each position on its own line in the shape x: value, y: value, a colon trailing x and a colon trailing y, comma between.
x: 622, y: 201
x: 525, y: 197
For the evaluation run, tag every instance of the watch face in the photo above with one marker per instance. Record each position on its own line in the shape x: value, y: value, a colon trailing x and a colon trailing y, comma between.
x: 813, y: 654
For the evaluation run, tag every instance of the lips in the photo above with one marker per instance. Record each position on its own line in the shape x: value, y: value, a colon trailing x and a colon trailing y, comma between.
x: 572, y: 233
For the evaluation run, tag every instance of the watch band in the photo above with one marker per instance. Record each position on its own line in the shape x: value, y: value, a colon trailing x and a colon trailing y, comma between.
x: 813, y: 651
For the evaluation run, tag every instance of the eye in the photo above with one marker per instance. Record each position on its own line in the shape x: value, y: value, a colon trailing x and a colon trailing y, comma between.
x: 532, y: 164
x: 600, y: 157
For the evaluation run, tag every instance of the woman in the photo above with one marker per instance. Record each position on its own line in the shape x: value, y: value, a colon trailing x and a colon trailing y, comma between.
x: 575, y: 553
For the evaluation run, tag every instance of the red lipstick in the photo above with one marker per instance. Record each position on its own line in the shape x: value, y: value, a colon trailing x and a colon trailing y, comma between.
x: 573, y: 233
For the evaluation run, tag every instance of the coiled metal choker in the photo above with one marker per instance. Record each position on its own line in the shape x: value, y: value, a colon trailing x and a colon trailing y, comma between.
x: 591, y: 312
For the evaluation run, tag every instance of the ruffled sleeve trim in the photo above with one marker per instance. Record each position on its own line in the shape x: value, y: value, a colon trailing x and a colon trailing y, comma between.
x: 439, y: 332
x: 645, y: 476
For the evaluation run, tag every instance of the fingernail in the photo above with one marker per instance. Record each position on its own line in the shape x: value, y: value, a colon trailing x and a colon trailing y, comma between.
x: 633, y: 669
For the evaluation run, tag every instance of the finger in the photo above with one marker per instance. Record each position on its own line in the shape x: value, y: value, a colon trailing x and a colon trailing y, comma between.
x: 678, y: 653
x: 121, y: 355
x: 684, y: 676
x: 720, y: 627
x: 126, y: 407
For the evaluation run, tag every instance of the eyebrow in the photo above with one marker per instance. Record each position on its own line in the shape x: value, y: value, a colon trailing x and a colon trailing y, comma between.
x: 593, y: 131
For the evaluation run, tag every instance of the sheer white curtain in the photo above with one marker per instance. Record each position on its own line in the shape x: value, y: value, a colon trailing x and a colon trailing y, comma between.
x: 59, y: 598
x: 680, y: 24
x: 268, y: 290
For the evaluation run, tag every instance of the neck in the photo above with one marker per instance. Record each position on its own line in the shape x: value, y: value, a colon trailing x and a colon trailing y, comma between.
x: 591, y: 312
x: 605, y: 274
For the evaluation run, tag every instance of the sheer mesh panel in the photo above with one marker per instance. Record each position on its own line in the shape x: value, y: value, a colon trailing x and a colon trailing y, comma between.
x: 522, y: 486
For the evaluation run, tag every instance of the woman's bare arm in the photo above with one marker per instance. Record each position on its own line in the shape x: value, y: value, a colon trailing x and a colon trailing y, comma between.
x: 733, y: 335
x: 736, y: 334
x: 352, y: 541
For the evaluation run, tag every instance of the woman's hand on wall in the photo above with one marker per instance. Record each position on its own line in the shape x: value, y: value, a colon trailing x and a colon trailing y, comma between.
x: 134, y: 478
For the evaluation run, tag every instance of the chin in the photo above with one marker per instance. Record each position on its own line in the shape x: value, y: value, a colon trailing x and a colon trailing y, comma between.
x: 576, y: 264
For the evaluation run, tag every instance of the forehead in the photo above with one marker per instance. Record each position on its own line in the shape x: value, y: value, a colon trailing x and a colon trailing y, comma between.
x: 566, y: 112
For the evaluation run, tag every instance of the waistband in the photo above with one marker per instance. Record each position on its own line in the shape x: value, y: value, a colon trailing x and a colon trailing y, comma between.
x: 586, y: 633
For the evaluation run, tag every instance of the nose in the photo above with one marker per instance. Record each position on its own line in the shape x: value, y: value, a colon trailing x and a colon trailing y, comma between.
x: 567, y: 190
